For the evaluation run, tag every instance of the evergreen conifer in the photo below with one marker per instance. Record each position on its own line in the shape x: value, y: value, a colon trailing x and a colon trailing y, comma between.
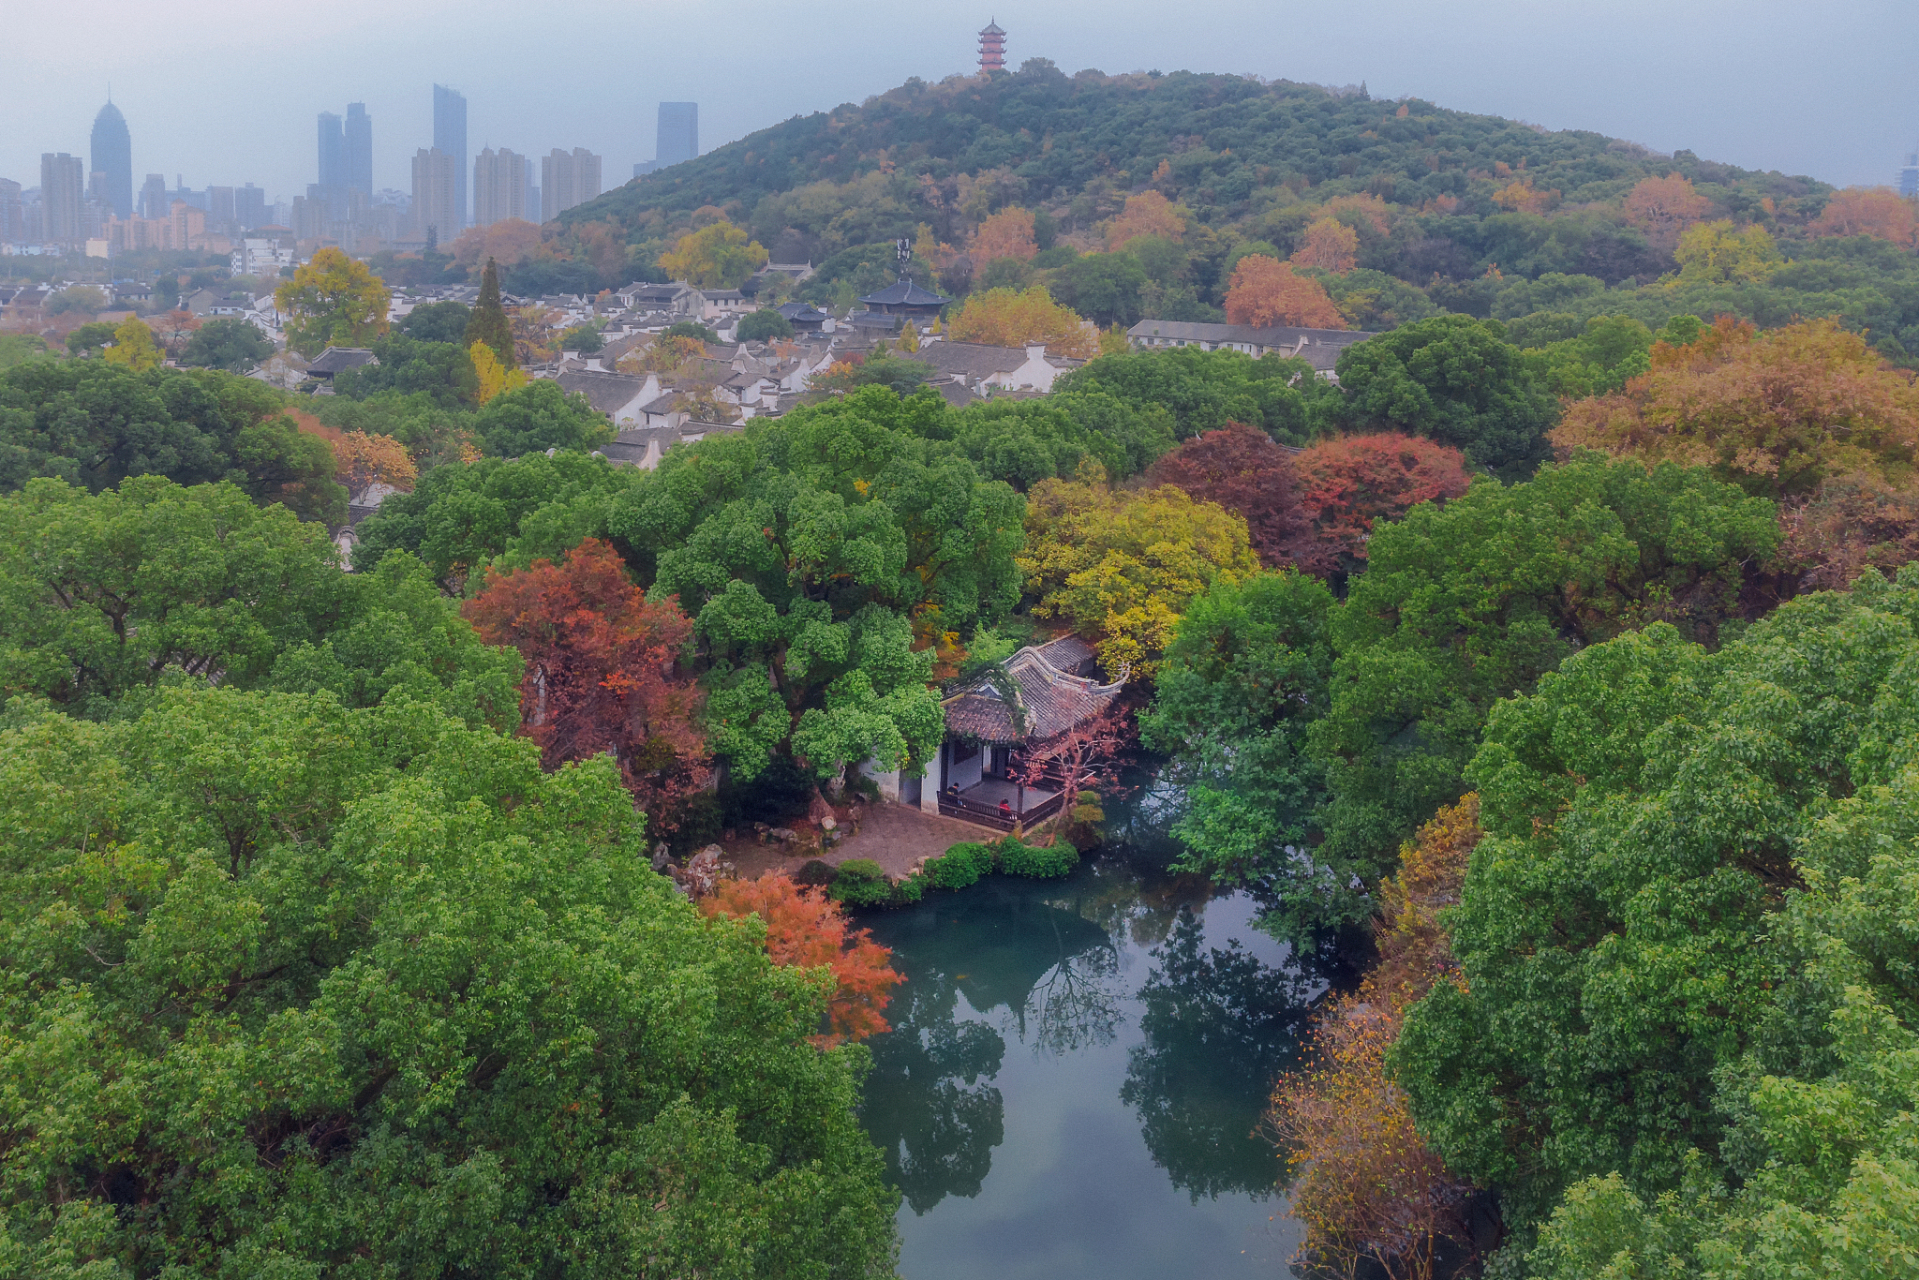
x: 488, y: 323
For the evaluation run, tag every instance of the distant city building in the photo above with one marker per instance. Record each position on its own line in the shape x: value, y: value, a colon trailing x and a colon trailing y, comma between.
x: 992, y: 49
x: 359, y: 148
x: 262, y: 256
x: 679, y: 134
x: 1909, y: 177
x: 250, y: 207
x: 153, y: 196
x: 63, y: 194
x: 568, y: 179
x: 533, y: 197
x: 220, y: 211
x: 449, y: 139
x: 332, y: 151
x: 13, y: 219
x: 435, y: 191
x: 111, y: 150
x: 499, y: 186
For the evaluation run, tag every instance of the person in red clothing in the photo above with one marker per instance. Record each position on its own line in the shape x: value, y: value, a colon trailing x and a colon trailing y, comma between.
x: 1005, y: 808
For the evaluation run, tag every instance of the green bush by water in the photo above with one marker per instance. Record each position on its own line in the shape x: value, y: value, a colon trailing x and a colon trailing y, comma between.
x: 860, y: 882
x: 1050, y: 863
x: 962, y: 865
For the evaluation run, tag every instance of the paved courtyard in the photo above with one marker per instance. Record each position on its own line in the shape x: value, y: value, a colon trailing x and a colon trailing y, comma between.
x: 890, y: 834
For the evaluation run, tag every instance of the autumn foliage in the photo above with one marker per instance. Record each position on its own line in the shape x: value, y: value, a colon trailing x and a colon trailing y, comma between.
x: 1241, y: 469
x: 1347, y: 485
x: 805, y: 929
x: 1775, y: 412
x: 600, y: 670
x: 1367, y: 1188
x: 508, y: 242
x: 1664, y: 207
x: 1329, y: 245
x: 1006, y: 234
x: 1869, y: 211
x: 1013, y: 318
x: 1147, y: 214
x: 1266, y: 292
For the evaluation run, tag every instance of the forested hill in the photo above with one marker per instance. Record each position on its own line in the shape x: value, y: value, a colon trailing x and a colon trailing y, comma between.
x: 1228, y: 148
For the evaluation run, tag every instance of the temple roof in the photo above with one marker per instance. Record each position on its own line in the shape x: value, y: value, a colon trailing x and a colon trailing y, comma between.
x: 1053, y: 700
x: 904, y: 293
x: 992, y: 29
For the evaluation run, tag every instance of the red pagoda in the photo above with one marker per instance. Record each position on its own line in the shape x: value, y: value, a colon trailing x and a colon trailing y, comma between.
x: 992, y: 49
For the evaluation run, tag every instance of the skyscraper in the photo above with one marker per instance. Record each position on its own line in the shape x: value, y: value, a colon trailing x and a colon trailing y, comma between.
x: 567, y: 179
x: 250, y: 207
x: 112, y: 154
x: 1909, y: 177
x: 434, y: 192
x: 153, y: 196
x: 63, y: 193
x: 449, y: 138
x: 679, y: 137
x: 332, y: 151
x: 499, y: 186
x: 359, y: 148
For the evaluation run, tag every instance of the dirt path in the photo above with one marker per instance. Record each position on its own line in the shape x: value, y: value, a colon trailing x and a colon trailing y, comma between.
x: 892, y: 835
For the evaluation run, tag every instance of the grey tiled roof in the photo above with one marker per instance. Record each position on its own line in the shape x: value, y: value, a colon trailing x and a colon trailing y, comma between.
x: 904, y: 293
x: 1054, y: 700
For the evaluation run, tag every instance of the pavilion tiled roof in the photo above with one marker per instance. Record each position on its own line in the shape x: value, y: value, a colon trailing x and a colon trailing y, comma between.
x: 1053, y: 700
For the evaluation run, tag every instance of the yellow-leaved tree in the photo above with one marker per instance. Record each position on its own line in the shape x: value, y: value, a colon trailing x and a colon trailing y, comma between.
x: 1013, y: 318
x: 133, y: 346
x: 1122, y: 566
x: 332, y: 301
x: 1719, y: 253
x: 719, y: 256
x: 1007, y: 234
x: 494, y: 377
x: 1329, y: 245
x: 1147, y: 214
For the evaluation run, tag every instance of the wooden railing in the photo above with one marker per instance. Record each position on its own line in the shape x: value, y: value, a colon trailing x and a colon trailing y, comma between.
x: 989, y: 815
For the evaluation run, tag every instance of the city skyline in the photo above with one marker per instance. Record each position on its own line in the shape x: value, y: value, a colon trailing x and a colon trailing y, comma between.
x: 1855, y: 125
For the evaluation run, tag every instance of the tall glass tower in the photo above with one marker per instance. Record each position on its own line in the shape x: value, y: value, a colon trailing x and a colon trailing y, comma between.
x: 112, y: 154
x: 359, y: 148
x: 449, y: 138
x: 679, y: 137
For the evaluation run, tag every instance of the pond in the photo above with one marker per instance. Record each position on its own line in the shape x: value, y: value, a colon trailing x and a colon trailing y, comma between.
x: 1075, y: 1077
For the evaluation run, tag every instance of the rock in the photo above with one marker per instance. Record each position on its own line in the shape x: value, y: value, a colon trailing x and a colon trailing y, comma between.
x: 729, y: 835
x: 660, y: 856
x: 785, y: 835
x: 761, y: 827
x: 828, y: 823
x: 702, y: 874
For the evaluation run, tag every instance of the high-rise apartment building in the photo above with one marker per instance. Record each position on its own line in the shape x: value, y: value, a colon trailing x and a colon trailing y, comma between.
x: 566, y: 179
x: 1909, y: 177
x: 154, y: 202
x: 679, y: 136
x: 250, y: 207
x: 220, y: 210
x: 499, y: 186
x: 359, y: 148
x: 111, y: 150
x: 13, y: 214
x: 434, y: 194
x: 332, y: 151
x: 449, y: 138
x: 63, y: 194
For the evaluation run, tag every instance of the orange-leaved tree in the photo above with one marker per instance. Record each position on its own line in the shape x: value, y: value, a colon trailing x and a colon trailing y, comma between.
x: 601, y: 671
x: 1007, y: 234
x: 509, y: 242
x: 1346, y: 485
x: 1664, y: 207
x: 1146, y: 214
x: 1265, y: 292
x: 1868, y: 211
x: 1015, y: 317
x: 1775, y: 412
x: 1366, y: 1187
x: 1329, y: 245
x: 805, y: 929
x: 365, y: 459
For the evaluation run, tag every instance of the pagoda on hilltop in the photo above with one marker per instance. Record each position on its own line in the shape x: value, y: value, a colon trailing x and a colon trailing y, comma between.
x: 992, y: 49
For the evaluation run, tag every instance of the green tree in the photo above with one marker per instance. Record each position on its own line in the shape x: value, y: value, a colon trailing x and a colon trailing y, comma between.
x: 763, y: 326
x: 227, y: 342
x: 79, y: 299
x: 488, y: 323
x: 537, y: 417
x: 332, y: 301
x: 1687, y: 950
x: 1205, y: 390
x: 1465, y: 604
x: 1104, y: 287
x: 584, y: 338
x: 440, y: 371
x: 89, y: 338
x: 378, y: 994
x: 689, y: 329
x: 809, y: 550
x: 1241, y: 684
x: 437, y: 322
x: 1456, y: 380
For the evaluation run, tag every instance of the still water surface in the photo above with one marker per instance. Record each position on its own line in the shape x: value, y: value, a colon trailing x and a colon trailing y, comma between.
x: 1075, y: 1075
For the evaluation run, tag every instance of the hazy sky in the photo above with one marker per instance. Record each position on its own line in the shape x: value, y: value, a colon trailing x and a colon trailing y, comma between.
x: 227, y: 93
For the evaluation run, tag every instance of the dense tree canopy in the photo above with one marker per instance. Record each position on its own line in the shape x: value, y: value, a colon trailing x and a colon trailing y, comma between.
x: 375, y: 994
x: 1207, y: 389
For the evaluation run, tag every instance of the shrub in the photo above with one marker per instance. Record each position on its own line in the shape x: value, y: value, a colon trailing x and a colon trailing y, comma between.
x: 962, y: 865
x: 1050, y: 863
x: 815, y: 873
x: 860, y: 883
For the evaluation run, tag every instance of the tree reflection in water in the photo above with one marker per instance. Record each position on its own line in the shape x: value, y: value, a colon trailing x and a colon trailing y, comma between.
x: 929, y: 1104
x: 1219, y: 1027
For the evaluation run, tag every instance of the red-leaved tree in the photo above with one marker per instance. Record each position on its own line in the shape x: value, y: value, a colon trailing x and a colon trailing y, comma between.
x: 1084, y: 759
x: 1241, y: 469
x: 600, y: 671
x: 805, y: 929
x: 1348, y: 484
